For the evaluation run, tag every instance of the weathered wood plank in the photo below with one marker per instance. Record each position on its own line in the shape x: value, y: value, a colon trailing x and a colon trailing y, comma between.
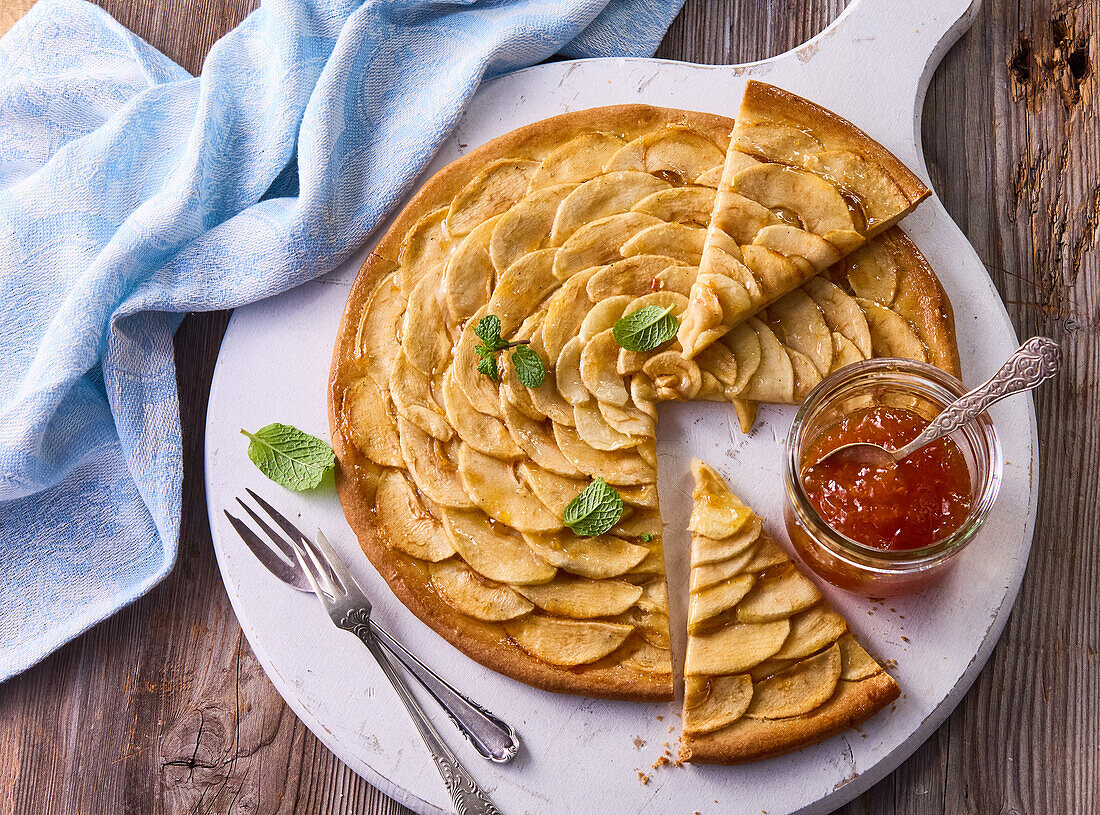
x: 163, y: 708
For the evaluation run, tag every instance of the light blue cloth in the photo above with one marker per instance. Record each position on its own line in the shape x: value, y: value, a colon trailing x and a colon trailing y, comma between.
x: 131, y: 192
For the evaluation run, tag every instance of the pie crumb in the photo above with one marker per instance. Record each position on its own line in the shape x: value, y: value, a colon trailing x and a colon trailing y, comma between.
x: 643, y: 777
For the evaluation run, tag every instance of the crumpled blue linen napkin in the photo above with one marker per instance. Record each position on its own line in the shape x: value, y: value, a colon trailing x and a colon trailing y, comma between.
x: 132, y: 192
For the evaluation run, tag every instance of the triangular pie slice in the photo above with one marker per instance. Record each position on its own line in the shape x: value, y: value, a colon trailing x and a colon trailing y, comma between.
x: 801, y: 189
x: 770, y: 666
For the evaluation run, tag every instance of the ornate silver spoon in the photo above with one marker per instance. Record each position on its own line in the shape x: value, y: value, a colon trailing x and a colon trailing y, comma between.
x: 1033, y: 363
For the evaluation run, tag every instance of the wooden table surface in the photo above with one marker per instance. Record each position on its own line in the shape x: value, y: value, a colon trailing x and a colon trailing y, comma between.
x: 164, y: 709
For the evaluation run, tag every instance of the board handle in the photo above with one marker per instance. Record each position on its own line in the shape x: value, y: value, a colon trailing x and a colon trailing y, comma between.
x: 880, y: 55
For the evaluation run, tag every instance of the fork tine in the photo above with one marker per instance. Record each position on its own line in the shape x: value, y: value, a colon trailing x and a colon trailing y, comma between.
x: 275, y: 564
x: 285, y: 548
x: 328, y: 556
x: 295, y: 534
x: 323, y: 596
x: 317, y: 569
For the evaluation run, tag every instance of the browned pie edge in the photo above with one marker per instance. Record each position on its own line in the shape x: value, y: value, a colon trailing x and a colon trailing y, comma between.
x: 755, y: 739
x: 356, y: 476
x: 776, y: 103
x: 920, y: 298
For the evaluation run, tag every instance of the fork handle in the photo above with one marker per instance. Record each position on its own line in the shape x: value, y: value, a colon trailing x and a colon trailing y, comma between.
x: 493, y: 738
x: 467, y: 796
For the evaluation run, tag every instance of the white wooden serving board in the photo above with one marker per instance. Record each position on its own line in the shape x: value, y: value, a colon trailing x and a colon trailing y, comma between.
x: 583, y: 756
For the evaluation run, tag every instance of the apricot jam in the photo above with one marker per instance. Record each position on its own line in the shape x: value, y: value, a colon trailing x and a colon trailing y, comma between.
x: 904, y: 506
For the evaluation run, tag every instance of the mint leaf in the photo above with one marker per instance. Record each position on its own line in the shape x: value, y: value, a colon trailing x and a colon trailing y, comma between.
x: 288, y: 456
x: 488, y: 329
x: 594, y: 511
x: 530, y: 370
x: 646, y: 328
x: 646, y: 537
x: 488, y: 366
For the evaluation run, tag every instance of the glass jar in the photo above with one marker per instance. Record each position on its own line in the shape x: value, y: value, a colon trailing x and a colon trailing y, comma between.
x: 844, y: 562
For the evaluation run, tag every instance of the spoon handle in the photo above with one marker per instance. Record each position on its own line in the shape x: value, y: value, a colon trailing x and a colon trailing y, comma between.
x: 1033, y: 363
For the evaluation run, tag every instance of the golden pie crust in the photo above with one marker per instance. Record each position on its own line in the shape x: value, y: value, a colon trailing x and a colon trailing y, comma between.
x: 559, y: 228
x: 770, y: 667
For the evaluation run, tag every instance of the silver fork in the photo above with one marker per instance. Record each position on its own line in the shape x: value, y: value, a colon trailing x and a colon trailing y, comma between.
x: 320, y: 570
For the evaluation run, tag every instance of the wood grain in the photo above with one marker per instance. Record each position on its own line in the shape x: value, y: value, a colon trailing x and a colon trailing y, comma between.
x: 163, y: 708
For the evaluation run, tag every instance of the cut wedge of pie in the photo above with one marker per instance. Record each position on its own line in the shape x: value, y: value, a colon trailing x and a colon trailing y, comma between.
x: 770, y: 666
x: 455, y: 480
x: 801, y: 188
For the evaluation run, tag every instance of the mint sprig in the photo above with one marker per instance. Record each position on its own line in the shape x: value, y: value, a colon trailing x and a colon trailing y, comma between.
x: 288, y: 456
x: 598, y: 508
x: 530, y: 369
x: 645, y: 329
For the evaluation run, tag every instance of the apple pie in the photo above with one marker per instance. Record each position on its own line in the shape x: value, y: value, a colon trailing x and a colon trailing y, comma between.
x: 478, y: 386
x: 770, y: 666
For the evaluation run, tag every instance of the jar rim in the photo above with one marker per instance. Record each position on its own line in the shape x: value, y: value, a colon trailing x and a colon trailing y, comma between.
x: 924, y: 380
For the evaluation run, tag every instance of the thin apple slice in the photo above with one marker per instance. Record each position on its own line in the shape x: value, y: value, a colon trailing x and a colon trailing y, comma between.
x: 608, y: 194
x: 565, y: 311
x: 679, y: 205
x: 766, y: 554
x: 431, y: 466
x: 714, y: 600
x: 469, y: 274
x: 773, y: 381
x: 599, y: 369
x: 812, y: 630
x: 489, y: 193
x: 411, y: 391
x: 594, y: 429
x: 408, y: 526
x: 524, y: 228
x: 582, y: 598
x: 841, y: 311
x: 598, y: 242
x: 855, y: 663
x: 603, y: 315
x: 716, y: 512
x: 676, y: 153
x: 369, y: 423
x: 494, y: 550
x: 646, y: 658
x: 555, y: 491
x: 798, y: 690
x: 684, y: 243
x: 891, y: 334
x: 734, y: 648
x: 801, y: 325
x: 468, y: 592
x: 634, y: 276
x: 539, y: 442
x: 486, y: 434
x: 519, y: 290
x: 778, y: 596
x: 567, y: 642
x: 598, y: 558
x: 424, y: 247
x: 376, y: 338
x: 625, y: 468
x: 579, y: 159
x: 706, y: 550
x: 816, y: 202
x: 492, y: 484
x: 711, y: 703
x: 424, y: 335
x: 712, y: 573
x: 567, y: 373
